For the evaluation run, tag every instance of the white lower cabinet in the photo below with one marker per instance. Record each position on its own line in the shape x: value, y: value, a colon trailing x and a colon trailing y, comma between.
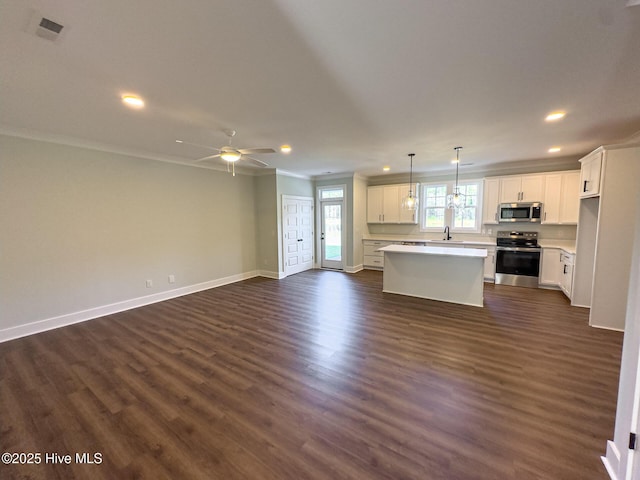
x: 566, y: 282
x: 550, y: 268
x: 373, y: 259
x: 556, y: 269
x: 489, y: 263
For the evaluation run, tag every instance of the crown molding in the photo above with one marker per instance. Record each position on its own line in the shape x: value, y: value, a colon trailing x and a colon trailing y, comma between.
x: 30, y: 134
x: 287, y: 173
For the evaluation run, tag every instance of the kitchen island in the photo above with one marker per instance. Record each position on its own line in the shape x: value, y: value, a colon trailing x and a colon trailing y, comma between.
x: 437, y: 273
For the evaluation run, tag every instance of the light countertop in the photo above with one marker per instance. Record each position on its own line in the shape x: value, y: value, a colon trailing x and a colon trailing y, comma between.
x: 447, y: 251
x: 569, y: 246
x: 398, y: 239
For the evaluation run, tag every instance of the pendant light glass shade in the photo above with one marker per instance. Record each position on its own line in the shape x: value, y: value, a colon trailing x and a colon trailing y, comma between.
x: 456, y: 199
x: 410, y: 202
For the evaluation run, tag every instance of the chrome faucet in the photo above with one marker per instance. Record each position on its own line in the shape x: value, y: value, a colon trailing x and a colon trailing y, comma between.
x: 447, y: 236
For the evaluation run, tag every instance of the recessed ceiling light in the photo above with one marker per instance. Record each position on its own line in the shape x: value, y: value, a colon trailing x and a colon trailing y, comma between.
x: 553, y: 116
x: 133, y: 101
x: 386, y: 169
x: 285, y: 148
x: 554, y: 149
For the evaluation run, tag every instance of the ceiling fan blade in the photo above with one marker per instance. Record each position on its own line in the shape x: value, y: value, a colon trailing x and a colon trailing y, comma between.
x: 198, y: 145
x: 251, y: 151
x: 260, y: 163
x: 207, y: 158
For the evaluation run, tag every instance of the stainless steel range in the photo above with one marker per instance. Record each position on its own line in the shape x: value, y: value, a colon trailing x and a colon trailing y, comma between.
x: 517, y: 258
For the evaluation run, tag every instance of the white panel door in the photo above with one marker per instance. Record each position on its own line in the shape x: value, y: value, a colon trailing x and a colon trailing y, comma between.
x: 297, y: 230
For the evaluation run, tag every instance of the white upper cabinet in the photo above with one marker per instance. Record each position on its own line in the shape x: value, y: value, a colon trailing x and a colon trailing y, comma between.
x: 591, y: 166
x: 561, y: 200
x: 558, y: 192
x: 375, y: 198
x: 384, y: 204
x: 391, y: 204
x: 491, y: 200
x: 510, y: 189
x: 526, y: 188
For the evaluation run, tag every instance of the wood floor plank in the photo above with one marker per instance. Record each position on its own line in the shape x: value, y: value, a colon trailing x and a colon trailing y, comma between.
x: 318, y: 376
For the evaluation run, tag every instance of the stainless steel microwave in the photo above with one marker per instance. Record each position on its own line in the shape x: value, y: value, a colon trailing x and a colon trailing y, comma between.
x: 519, y: 212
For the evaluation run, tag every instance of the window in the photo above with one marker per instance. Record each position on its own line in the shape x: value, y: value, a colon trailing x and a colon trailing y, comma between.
x: 466, y: 218
x: 434, y: 212
x: 331, y: 193
x: 435, y: 202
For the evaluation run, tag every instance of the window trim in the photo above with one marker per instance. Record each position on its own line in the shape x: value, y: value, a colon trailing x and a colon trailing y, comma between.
x: 448, y: 213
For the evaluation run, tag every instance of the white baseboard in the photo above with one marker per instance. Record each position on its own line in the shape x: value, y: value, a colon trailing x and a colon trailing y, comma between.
x: 269, y: 274
x: 39, y: 326
x: 354, y: 269
x: 612, y: 460
x: 602, y: 327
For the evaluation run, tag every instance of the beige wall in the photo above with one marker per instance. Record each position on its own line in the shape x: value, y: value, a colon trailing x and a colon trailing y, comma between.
x: 83, y: 229
x: 267, y: 223
x: 360, y: 227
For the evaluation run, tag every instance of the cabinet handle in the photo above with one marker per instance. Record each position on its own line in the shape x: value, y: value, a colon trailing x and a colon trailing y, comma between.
x: 564, y: 270
x: 584, y: 188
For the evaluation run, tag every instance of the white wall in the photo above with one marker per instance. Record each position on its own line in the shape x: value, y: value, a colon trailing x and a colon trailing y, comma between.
x: 82, y: 229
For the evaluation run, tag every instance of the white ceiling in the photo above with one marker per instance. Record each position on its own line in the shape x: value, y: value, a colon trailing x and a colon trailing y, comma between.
x: 352, y: 85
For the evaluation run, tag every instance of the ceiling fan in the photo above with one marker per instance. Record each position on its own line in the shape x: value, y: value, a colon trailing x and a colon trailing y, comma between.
x: 231, y: 155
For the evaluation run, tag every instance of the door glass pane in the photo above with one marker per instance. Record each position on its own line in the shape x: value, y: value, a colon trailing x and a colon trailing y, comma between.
x: 332, y: 232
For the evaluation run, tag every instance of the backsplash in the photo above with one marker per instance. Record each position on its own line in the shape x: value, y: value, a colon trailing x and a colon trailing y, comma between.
x: 488, y: 234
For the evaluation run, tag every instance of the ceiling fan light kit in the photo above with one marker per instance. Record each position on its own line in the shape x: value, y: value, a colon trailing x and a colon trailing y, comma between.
x: 230, y: 154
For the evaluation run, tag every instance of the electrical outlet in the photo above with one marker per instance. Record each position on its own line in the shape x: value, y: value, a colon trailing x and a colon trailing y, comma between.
x: 172, y: 279
x: 149, y: 283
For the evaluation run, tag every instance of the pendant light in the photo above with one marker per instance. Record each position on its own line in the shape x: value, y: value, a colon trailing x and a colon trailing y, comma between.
x: 410, y: 202
x: 456, y: 199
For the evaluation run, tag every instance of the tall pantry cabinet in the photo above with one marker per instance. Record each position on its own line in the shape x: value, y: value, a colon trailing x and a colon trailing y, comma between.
x: 604, y: 243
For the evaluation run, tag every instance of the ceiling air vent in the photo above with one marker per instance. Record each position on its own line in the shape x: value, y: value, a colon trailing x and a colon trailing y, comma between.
x: 49, y: 29
x: 44, y: 27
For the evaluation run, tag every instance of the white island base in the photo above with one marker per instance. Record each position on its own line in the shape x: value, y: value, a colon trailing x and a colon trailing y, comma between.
x: 438, y: 273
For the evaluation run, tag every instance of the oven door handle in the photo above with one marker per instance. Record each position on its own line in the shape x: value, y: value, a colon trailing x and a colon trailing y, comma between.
x: 517, y: 249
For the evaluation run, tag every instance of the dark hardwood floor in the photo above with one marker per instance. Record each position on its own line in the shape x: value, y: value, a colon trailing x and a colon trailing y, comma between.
x: 317, y: 376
